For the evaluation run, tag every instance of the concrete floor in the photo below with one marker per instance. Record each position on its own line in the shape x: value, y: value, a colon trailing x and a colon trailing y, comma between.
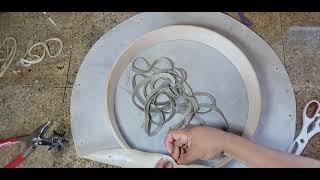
x: 42, y: 92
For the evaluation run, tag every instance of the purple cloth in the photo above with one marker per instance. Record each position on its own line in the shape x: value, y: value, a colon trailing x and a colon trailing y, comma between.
x: 244, y: 20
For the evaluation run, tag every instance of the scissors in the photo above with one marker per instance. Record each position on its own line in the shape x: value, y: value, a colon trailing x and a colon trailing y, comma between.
x: 310, y: 127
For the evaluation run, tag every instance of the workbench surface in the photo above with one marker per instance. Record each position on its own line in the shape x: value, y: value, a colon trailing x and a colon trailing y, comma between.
x: 42, y: 92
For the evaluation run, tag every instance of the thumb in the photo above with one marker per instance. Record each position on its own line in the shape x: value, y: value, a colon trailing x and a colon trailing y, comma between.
x: 173, y: 136
x: 164, y: 163
x: 186, y: 158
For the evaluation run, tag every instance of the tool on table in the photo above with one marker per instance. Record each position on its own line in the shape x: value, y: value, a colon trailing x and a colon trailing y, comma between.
x: 310, y: 127
x: 57, y: 141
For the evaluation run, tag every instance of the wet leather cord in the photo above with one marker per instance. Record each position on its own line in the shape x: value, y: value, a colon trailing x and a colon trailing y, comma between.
x: 162, y: 92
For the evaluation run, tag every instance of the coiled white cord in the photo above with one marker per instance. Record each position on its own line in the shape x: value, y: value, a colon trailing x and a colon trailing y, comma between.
x: 29, y: 58
x: 34, y: 58
x: 9, y: 54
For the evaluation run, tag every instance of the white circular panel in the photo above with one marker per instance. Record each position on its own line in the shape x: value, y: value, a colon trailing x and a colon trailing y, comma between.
x: 91, y: 130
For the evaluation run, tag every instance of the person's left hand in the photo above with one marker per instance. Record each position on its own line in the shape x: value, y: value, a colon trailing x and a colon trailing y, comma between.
x: 163, y: 163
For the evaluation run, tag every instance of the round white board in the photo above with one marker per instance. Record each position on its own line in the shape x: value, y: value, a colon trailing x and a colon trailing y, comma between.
x: 92, y: 133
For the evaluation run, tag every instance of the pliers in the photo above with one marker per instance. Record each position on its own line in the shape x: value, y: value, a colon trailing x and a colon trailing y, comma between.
x: 32, y: 141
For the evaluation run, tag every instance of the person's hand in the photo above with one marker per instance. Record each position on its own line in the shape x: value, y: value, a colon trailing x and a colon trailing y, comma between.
x: 197, y: 143
x: 163, y: 163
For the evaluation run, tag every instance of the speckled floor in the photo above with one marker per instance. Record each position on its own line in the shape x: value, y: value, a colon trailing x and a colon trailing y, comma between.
x: 42, y: 92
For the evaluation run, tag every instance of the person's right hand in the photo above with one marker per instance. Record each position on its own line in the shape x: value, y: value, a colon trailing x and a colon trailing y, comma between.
x: 196, y: 143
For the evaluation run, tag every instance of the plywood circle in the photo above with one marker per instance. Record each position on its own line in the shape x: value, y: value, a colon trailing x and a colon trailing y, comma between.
x: 242, y: 83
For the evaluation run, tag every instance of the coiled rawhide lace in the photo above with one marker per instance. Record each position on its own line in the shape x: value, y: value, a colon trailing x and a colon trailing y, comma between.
x: 161, y: 92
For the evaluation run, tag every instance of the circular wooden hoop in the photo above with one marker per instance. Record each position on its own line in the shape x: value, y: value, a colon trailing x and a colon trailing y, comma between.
x: 192, y: 33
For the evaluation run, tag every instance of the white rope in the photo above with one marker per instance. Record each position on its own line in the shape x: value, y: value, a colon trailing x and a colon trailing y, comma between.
x: 34, y: 58
x: 9, y: 54
x: 29, y: 58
